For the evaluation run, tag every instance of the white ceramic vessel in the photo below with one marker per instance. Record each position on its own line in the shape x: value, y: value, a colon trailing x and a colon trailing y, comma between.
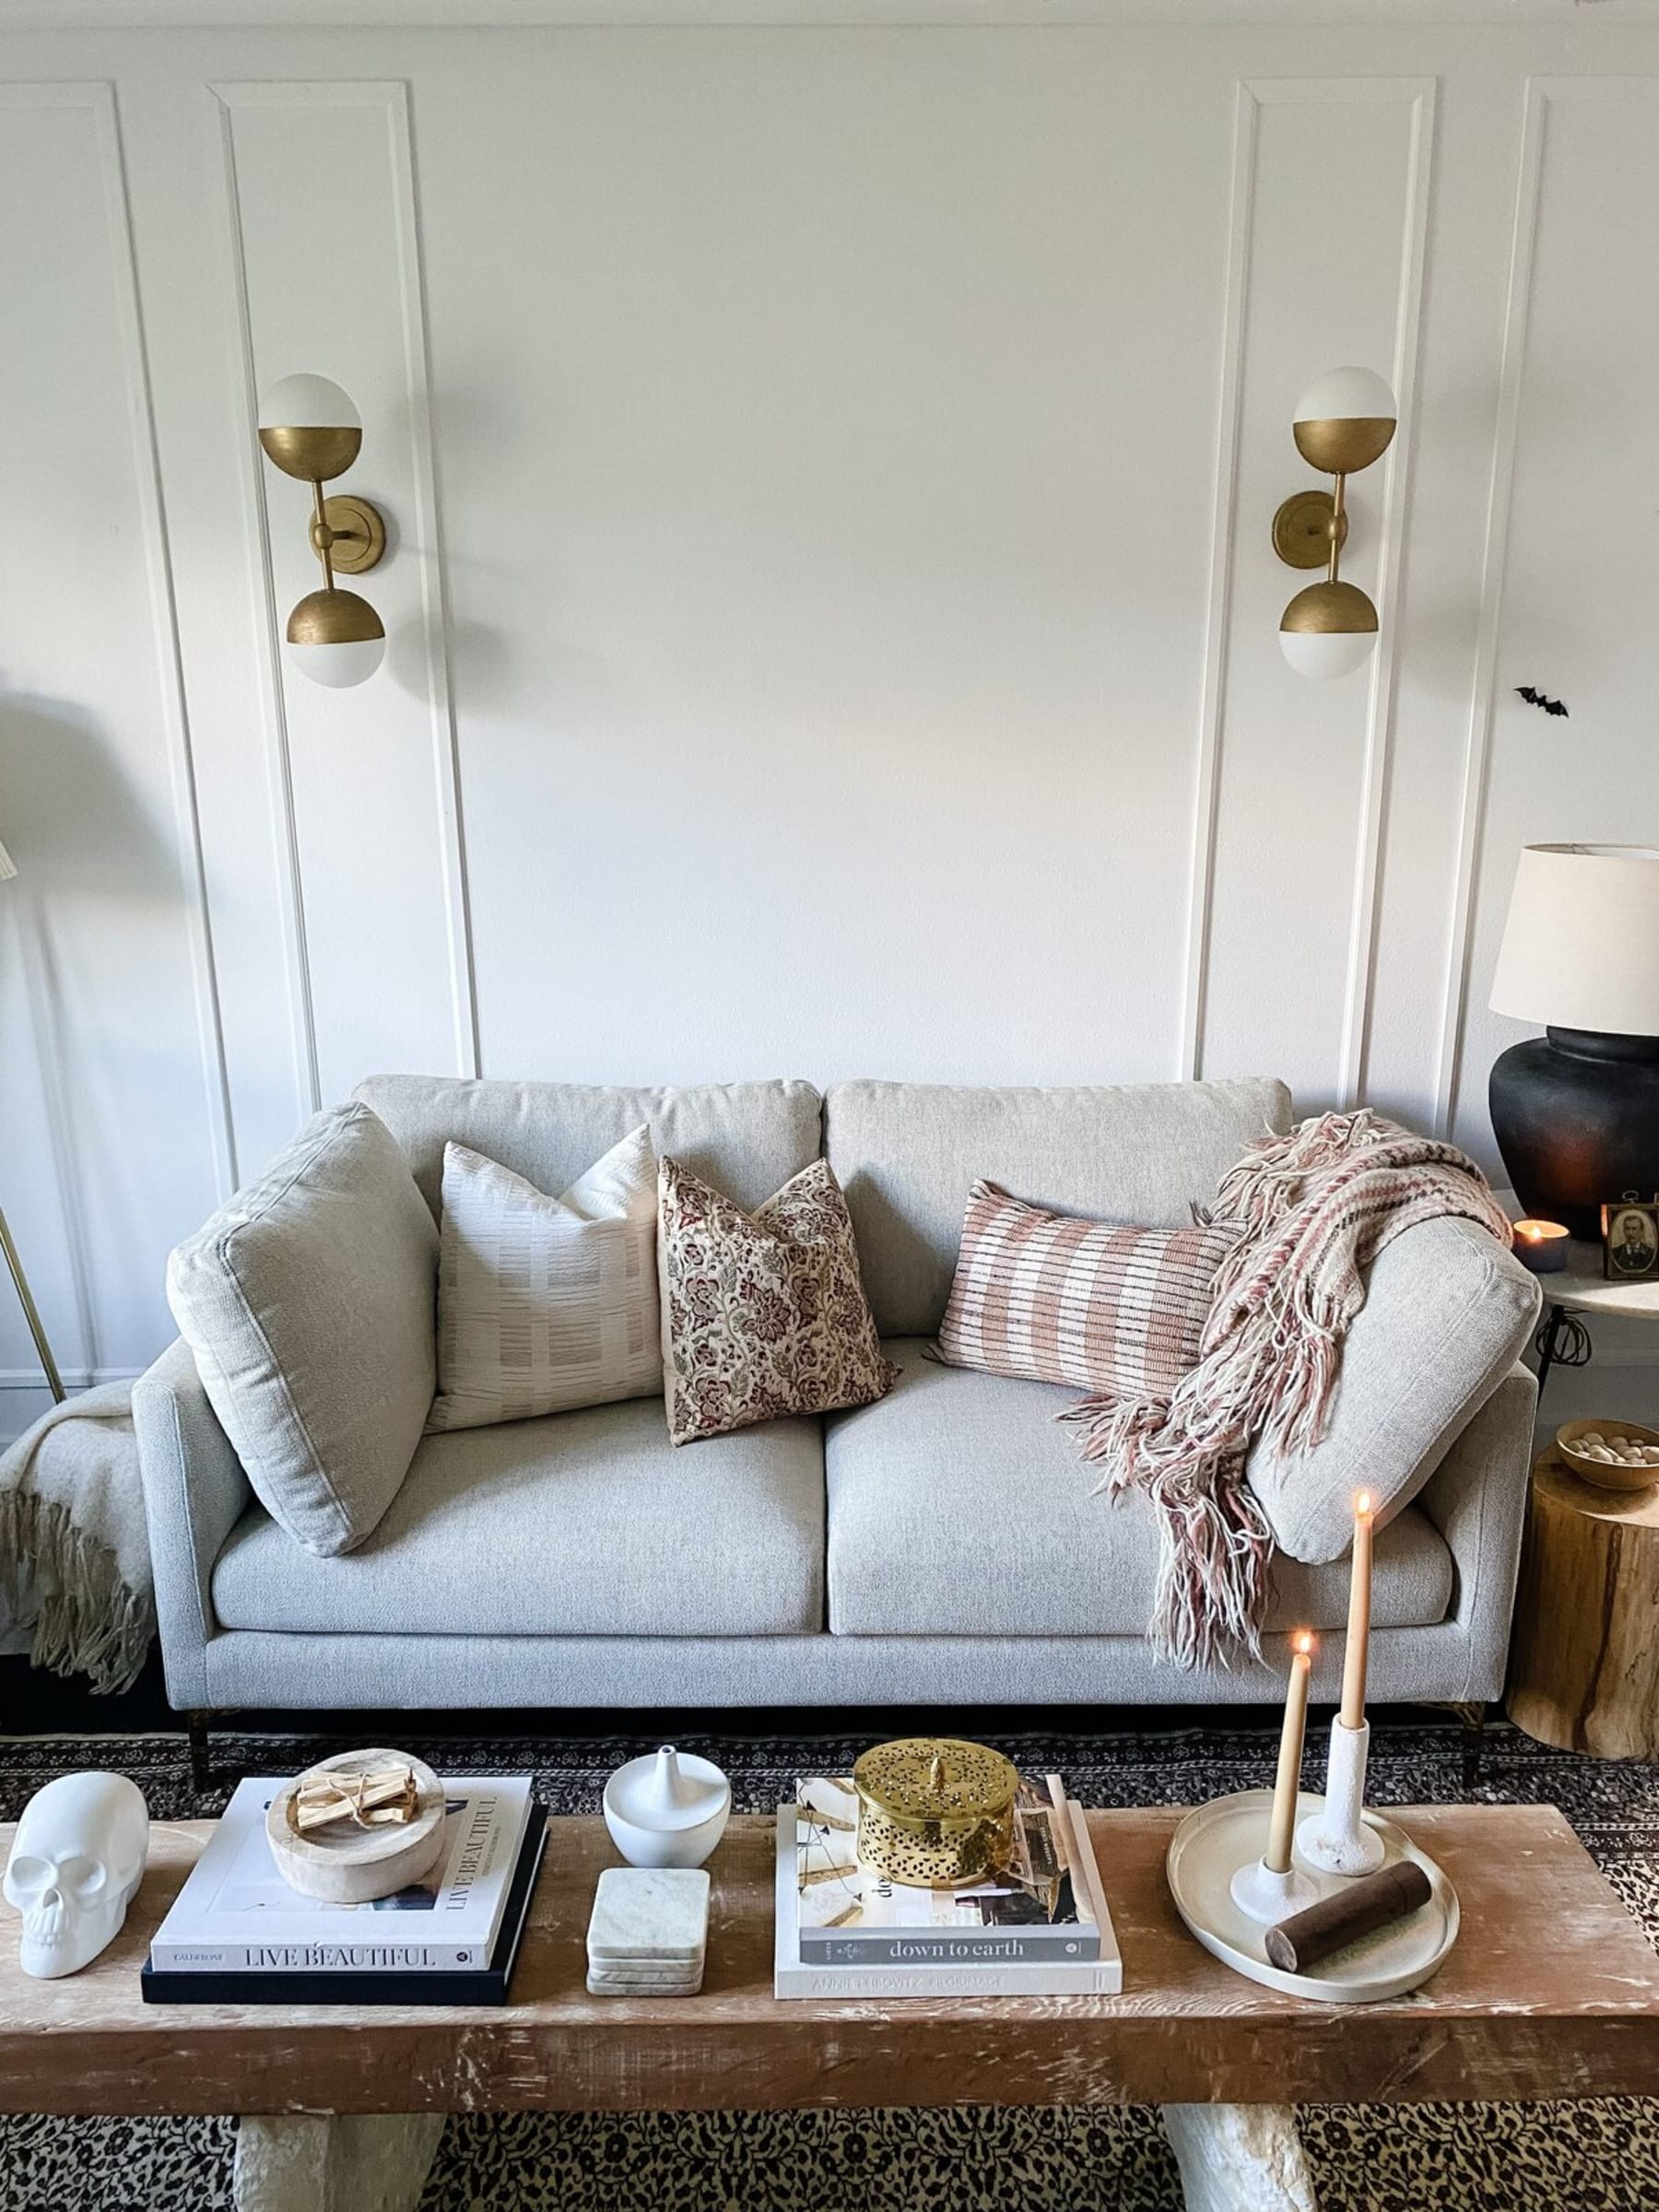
x: 667, y: 1810
x: 1337, y: 1839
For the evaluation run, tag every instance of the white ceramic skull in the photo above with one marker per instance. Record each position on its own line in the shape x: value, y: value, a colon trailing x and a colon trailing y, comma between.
x: 77, y: 1857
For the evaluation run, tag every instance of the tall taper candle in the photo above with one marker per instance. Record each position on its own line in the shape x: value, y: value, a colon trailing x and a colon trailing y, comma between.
x: 1282, y: 1827
x: 1357, y: 1649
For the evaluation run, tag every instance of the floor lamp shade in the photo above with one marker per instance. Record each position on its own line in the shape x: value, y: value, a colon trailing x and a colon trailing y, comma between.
x: 1576, y: 1112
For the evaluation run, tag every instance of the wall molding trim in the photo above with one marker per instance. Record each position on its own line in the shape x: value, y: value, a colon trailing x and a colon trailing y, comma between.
x: 1517, y: 322
x: 1417, y: 94
x: 285, y: 831
x: 388, y: 99
x: 446, y: 759
x: 170, y: 665
x: 1391, y: 583
x: 1201, y: 866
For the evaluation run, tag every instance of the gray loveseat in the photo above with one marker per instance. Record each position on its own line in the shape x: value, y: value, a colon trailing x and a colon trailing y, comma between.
x: 942, y: 1545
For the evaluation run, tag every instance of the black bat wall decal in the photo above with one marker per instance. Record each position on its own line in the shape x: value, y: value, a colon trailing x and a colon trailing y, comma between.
x: 1537, y: 699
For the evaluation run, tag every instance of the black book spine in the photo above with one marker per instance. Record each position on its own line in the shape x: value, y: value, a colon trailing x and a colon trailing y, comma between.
x: 342, y: 1986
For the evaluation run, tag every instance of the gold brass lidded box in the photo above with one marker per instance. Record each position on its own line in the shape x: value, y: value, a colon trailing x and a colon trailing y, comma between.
x: 934, y: 1811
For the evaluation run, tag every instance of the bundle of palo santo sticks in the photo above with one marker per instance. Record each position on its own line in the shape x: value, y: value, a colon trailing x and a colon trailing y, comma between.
x: 385, y: 1798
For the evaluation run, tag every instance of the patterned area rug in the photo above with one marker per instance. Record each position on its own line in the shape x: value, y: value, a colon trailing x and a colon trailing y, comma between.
x: 1408, y: 2158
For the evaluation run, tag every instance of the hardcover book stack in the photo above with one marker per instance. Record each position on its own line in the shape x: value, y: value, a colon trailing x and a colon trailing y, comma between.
x: 237, y: 1933
x: 1039, y: 1929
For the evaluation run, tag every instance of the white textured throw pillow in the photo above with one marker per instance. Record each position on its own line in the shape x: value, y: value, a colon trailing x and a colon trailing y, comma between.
x: 545, y: 1304
x: 307, y: 1301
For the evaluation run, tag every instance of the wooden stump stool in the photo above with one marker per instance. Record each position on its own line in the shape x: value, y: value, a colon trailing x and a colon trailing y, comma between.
x: 1585, y: 1660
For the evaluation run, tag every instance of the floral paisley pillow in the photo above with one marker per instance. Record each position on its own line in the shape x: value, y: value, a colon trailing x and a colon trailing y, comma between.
x: 764, y: 1314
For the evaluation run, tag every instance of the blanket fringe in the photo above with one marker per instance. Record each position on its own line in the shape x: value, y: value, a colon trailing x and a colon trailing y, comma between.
x: 1215, y: 1549
x: 86, y: 1620
x: 1308, y: 1212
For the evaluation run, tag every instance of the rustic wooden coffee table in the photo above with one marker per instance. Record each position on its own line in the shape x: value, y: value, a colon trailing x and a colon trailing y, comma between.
x: 1552, y: 1991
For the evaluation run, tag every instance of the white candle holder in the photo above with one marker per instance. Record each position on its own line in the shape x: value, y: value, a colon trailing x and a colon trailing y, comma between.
x: 1268, y: 1897
x: 1335, y: 1839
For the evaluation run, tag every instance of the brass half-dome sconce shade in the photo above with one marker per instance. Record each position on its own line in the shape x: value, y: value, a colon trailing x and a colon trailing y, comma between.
x: 1344, y: 422
x: 309, y: 428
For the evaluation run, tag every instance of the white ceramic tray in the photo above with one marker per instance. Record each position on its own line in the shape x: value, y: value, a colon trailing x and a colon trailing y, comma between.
x: 1216, y: 1839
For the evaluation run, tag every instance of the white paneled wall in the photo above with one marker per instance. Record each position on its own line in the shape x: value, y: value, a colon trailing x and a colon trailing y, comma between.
x: 832, y: 615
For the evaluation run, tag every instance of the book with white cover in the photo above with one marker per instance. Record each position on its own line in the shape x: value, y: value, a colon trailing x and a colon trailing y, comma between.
x: 933, y: 1962
x: 235, y: 1913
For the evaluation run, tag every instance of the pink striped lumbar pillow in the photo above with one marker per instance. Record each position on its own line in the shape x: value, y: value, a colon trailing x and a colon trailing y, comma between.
x: 1056, y: 1299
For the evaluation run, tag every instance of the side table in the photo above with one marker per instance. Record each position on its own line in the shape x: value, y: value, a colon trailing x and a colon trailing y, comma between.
x: 1571, y: 1299
x: 1585, y: 1656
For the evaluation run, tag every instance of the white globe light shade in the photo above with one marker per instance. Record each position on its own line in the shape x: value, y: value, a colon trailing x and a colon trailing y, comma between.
x: 1346, y: 395
x: 1327, y: 652
x: 306, y: 403
x: 338, y: 666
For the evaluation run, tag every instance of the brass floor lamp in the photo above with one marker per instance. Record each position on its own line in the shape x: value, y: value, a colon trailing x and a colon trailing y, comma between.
x: 25, y: 1297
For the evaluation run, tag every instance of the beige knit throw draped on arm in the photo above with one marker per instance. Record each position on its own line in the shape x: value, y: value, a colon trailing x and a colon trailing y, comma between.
x: 1309, y: 1210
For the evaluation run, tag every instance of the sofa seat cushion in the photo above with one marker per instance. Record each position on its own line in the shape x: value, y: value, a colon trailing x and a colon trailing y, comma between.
x: 585, y: 1524
x: 959, y: 1507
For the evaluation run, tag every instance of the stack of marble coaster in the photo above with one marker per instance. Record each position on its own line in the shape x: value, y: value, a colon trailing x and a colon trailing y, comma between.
x: 649, y: 1932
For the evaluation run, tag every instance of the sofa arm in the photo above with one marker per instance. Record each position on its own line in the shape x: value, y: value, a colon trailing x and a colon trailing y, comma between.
x: 195, y: 1492
x: 1477, y: 1497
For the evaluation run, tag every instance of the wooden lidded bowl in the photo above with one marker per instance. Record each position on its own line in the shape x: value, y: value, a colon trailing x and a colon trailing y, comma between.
x: 344, y: 1864
x: 1608, y: 1474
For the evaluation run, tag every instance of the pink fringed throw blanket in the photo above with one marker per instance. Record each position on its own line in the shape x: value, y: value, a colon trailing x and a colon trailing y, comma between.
x: 1310, y: 1211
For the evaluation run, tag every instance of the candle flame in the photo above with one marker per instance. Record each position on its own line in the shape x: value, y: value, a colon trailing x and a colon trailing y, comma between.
x: 1302, y: 1643
x: 1362, y: 1504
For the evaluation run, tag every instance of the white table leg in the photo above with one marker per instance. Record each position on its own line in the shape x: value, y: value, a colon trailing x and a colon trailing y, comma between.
x: 1240, y: 2158
x: 334, y: 2162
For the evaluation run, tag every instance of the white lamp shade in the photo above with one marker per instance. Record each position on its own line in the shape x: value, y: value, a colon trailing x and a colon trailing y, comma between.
x: 1346, y: 396
x: 1580, y: 946
x: 306, y: 403
x: 338, y: 666
x: 6, y: 868
x: 1323, y: 654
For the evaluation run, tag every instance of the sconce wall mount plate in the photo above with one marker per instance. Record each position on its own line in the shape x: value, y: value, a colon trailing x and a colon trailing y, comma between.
x: 1301, y: 530
x: 358, y: 534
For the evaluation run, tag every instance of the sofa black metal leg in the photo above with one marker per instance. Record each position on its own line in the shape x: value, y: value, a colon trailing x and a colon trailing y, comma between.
x: 201, y: 1763
x: 1474, y: 1719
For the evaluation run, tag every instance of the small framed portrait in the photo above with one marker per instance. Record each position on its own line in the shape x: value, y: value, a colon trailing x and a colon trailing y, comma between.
x: 1630, y: 1241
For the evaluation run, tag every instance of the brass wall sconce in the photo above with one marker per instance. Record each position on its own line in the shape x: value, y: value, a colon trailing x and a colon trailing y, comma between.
x: 1344, y: 422
x: 309, y: 428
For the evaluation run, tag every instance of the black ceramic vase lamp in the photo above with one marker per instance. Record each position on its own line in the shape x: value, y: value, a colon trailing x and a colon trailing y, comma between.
x: 1576, y: 1112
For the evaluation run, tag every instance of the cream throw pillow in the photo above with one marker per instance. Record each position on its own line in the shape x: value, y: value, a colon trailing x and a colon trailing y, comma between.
x: 545, y: 1304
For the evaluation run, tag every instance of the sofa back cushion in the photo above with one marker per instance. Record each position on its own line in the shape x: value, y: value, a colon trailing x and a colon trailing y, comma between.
x: 747, y: 1138
x: 308, y: 1302
x: 1447, y: 1313
x: 908, y: 1154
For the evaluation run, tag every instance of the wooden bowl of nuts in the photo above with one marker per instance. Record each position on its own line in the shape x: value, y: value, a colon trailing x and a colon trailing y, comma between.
x: 1615, y: 1455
